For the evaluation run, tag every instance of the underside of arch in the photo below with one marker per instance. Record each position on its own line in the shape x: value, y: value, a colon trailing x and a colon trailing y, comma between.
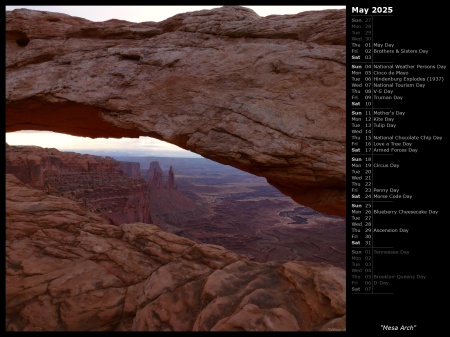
x: 265, y: 95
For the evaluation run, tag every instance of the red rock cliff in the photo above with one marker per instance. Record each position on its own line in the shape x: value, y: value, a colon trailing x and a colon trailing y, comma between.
x: 103, y: 185
x: 130, y: 169
x: 168, y: 205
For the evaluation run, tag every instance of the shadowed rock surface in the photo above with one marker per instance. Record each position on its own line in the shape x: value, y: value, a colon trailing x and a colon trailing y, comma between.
x: 67, y: 269
x: 265, y: 95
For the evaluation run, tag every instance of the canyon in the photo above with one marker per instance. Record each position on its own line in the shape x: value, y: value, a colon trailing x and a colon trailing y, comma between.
x: 110, y: 188
x: 113, y: 189
x: 244, y: 214
x: 99, y: 244
x: 65, y: 231
x: 204, y: 201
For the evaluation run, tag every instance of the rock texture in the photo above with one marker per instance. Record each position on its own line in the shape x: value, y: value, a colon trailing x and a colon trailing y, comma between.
x: 31, y: 163
x: 113, y: 189
x: 103, y: 185
x: 68, y: 270
x: 265, y: 95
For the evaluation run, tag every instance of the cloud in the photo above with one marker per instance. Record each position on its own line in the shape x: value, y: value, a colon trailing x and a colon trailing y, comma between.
x: 157, y: 13
x: 131, y: 146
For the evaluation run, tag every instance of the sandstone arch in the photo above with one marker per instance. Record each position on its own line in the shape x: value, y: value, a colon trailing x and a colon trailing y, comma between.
x: 265, y: 95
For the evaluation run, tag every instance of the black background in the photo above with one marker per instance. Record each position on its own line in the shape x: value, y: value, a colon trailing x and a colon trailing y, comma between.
x: 419, y: 303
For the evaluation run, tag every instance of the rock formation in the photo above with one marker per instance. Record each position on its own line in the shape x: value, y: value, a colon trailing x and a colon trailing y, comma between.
x: 29, y: 163
x: 171, y: 181
x: 263, y: 94
x: 110, y: 188
x: 168, y: 205
x: 130, y: 169
x: 155, y: 175
x: 68, y: 270
x: 26, y: 166
x: 103, y: 185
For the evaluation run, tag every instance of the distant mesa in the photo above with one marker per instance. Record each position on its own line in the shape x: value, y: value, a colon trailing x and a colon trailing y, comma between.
x: 131, y: 169
x: 113, y: 189
x: 31, y: 163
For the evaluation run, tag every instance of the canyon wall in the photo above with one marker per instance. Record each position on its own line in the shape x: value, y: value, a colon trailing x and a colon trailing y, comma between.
x: 130, y: 169
x: 263, y: 94
x: 113, y: 189
x: 103, y: 185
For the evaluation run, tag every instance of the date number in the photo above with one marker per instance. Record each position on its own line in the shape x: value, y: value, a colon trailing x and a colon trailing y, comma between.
x: 385, y: 10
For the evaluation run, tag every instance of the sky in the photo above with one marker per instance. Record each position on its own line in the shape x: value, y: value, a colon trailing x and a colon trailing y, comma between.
x: 142, y: 146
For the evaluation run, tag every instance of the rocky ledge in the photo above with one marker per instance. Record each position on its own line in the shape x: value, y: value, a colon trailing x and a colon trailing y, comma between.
x: 68, y: 269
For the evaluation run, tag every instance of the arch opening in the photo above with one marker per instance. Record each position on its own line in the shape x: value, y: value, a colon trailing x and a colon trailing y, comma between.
x: 88, y: 121
x: 271, y: 124
x: 194, y: 197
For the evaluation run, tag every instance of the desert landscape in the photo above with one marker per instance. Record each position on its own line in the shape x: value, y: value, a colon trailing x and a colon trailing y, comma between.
x: 251, y: 237
x: 85, y: 205
x: 243, y: 213
x: 204, y: 201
